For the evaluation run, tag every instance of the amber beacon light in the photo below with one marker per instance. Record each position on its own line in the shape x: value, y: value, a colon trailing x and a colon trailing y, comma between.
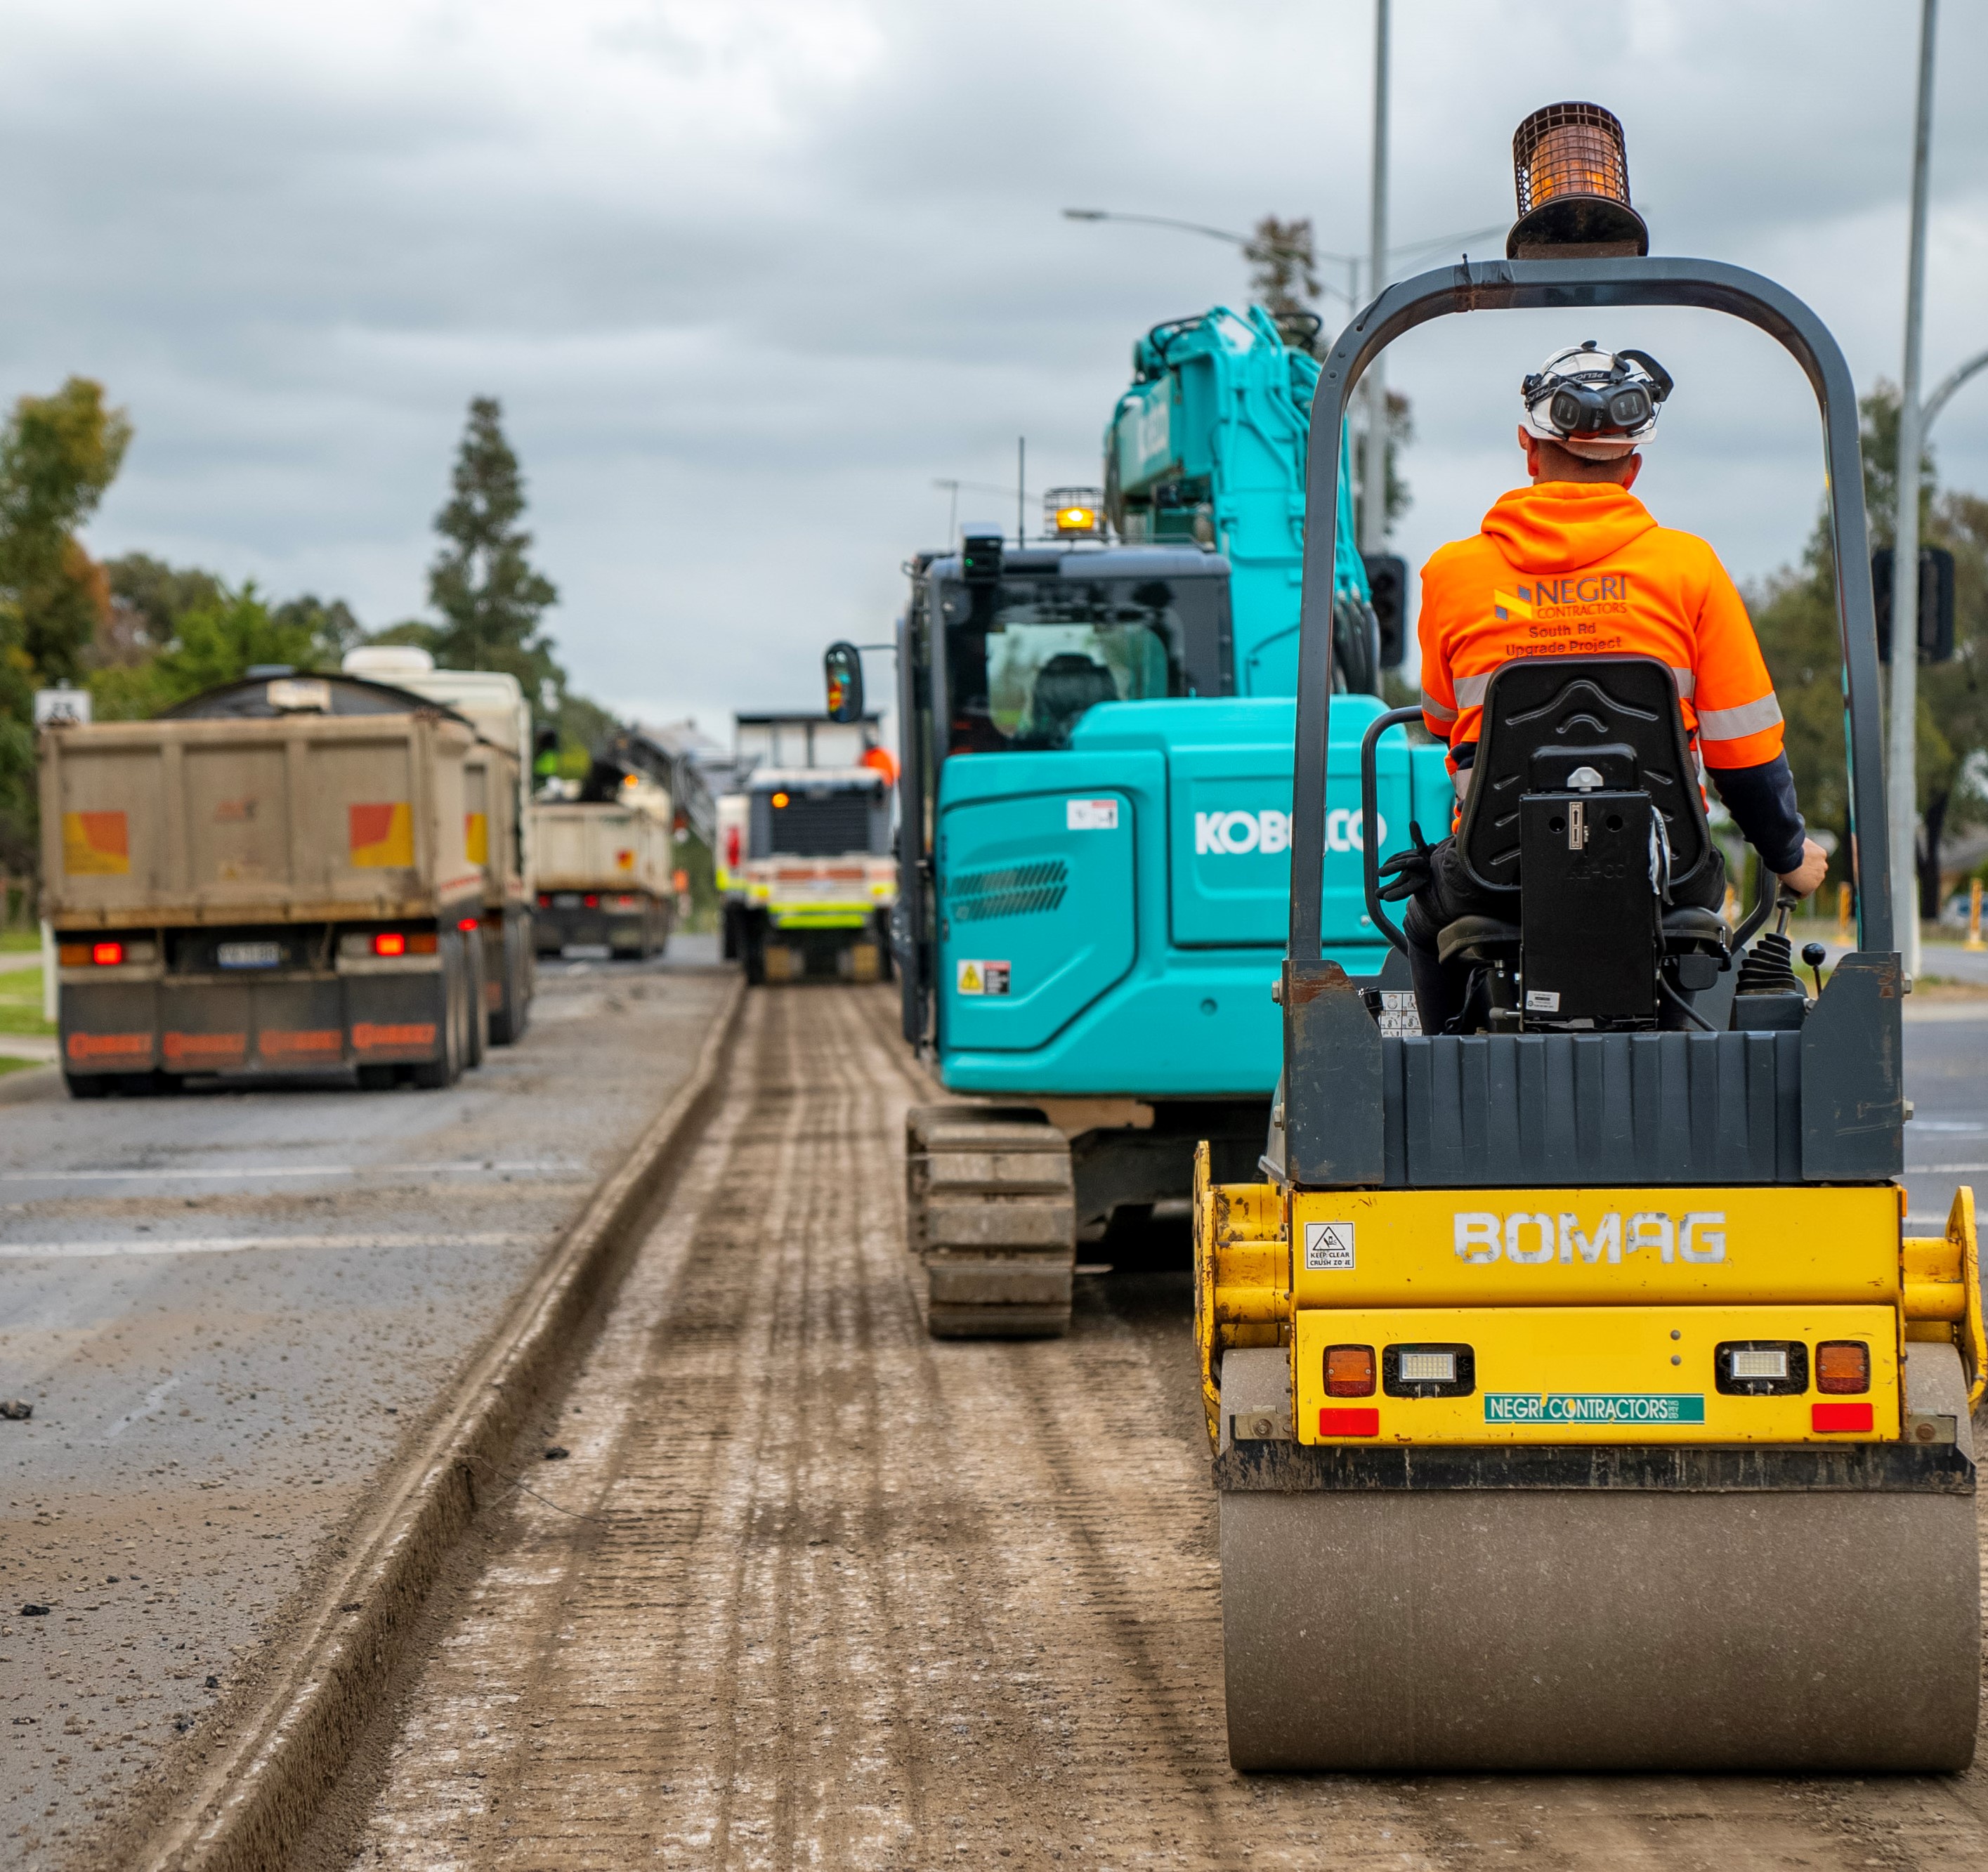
x: 1571, y: 167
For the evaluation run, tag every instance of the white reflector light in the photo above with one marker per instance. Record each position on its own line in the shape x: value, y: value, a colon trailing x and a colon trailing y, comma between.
x: 1429, y: 1368
x: 1760, y: 1364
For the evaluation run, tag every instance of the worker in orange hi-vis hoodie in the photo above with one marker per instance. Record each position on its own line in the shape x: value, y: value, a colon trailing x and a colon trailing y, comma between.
x: 1575, y: 565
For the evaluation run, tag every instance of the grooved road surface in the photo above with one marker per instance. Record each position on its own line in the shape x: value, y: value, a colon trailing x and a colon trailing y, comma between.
x: 811, y: 1589
x: 230, y: 1310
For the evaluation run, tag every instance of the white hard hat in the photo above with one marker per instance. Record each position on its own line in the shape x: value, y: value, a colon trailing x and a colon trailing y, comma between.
x: 1596, y: 404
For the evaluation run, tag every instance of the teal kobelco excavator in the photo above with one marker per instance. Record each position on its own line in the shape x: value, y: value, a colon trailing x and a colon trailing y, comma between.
x: 1095, y: 820
x: 1578, y: 1400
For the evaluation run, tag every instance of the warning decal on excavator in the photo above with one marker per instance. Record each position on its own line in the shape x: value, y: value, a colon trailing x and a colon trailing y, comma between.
x: 1090, y: 815
x: 1329, y: 1245
x: 978, y: 977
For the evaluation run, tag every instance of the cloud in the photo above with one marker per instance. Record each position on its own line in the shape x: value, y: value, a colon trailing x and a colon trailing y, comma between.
x: 748, y: 278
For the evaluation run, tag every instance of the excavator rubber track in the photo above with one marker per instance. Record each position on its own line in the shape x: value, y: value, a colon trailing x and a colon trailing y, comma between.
x: 990, y: 1209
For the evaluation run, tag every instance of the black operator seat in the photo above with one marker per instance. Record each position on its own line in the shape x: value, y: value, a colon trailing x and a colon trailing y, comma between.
x: 1067, y: 686
x: 1584, y: 778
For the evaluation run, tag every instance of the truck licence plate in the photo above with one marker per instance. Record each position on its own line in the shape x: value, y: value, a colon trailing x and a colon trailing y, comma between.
x: 249, y: 955
x: 565, y: 900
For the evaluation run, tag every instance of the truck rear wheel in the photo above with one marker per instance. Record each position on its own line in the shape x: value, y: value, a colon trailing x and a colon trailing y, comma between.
x: 86, y: 1085
x: 509, y: 1017
x: 434, y: 1075
x: 991, y: 1211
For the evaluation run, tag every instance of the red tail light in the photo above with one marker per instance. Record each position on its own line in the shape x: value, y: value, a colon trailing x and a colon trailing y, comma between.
x: 731, y: 848
x: 390, y: 942
x: 592, y: 903
x: 469, y: 923
x: 107, y: 955
x: 545, y: 899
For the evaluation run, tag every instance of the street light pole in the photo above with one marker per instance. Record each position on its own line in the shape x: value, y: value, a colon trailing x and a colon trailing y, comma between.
x: 1904, y: 803
x: 1373, y: 507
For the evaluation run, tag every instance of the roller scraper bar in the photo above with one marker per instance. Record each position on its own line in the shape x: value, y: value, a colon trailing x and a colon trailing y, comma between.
x: 1531, y: 284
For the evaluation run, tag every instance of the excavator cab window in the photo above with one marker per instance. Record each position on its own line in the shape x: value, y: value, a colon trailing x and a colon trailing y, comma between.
x: 1028, y: 658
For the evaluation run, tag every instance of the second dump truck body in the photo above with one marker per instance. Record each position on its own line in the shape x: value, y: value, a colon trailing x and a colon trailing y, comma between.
x: 604, y: 874
x: 277, y: 881
x: 497, y: 822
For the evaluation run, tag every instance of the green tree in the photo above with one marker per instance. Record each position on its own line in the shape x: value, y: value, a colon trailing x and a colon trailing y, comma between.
x: 219, y: 641
x: 58, y: 454
x: 1794, y: 614
x: 491, y: 597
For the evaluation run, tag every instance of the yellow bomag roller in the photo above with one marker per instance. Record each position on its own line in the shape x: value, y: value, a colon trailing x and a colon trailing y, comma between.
x: 1577, y: 1399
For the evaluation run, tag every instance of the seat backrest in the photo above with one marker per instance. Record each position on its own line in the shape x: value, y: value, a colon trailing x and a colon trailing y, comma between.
x: 1067, y: 686
x: 1544, y: 717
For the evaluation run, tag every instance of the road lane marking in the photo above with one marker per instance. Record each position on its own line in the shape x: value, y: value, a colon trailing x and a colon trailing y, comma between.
x: 154, y: 1402
x: 538, y: 1166
x: 230, y: 1245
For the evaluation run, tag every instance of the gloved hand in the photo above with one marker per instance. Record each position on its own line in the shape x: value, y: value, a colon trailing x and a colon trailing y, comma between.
x: 1408, y: 872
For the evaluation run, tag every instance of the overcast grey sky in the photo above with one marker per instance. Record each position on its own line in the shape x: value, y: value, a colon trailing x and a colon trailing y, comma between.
x: 749, y: 276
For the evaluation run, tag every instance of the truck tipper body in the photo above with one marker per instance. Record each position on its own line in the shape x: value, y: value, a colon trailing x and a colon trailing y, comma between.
x: 274, y: 877
x: 497, y: 807
x: 605, y: 873
x: 805, y: 869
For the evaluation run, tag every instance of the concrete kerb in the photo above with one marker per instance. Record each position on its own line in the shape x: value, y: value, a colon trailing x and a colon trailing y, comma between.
x: 249, y: 1809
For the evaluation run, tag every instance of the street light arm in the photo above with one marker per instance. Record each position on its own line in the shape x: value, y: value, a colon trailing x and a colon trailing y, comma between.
x: 1943, y: 391
x: 1247, y: 242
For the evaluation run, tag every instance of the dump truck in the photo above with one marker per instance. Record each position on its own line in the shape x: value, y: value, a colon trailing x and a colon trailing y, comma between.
x: 806, y: 875
x: 497, y: 805
x: 272, y: 877
x: 1094, y: 825
x: 605, y: 874
x: 1577, y: 1400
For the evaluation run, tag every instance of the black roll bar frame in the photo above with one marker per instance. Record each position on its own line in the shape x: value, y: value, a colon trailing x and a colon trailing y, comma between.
x: 1533, y: 285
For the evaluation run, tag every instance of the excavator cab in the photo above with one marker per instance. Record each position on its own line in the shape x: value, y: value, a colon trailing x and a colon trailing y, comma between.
x: 1578, y: 1400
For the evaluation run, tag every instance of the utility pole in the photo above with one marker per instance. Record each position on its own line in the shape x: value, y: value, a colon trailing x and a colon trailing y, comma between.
x: 1903, y: 801
x: 1373, y: 507
x: 1021, y: 490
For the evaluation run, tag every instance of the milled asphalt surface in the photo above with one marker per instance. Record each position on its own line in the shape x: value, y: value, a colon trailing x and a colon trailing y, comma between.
x: 230, y: 1310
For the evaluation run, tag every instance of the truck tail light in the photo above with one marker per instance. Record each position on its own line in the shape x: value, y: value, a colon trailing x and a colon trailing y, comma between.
x: 1349, y: 1371
x: 107, y: 955
x: 390, y: 942
x: 469, y: 923
x: 591, y: 902
x: 545, y: 899
x: 731, y: 848
x: 1843, y: 1366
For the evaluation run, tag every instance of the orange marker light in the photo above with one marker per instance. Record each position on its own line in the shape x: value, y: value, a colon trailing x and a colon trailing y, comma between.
x: 1349, y: 1371
x: 107, y: 955
x: 779, y: 800
x: 1843, y: 1366
x: 423, y: 942
x: 390, y: 942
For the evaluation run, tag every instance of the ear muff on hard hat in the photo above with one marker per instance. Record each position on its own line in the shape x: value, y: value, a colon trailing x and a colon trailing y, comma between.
x: 1595, y: 404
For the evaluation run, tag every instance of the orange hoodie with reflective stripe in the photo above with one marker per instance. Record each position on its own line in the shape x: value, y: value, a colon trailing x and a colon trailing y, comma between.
x: 1571, y: 568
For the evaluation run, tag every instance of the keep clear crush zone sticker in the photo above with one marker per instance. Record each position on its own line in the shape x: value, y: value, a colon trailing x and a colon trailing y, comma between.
x: 1090, y: 815
x: 1329, y: 1247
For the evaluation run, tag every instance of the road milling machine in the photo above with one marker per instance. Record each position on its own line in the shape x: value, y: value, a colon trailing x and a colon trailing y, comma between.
x: 803, y: 862
x: 1578, y: 1400
x: 1094, y: 824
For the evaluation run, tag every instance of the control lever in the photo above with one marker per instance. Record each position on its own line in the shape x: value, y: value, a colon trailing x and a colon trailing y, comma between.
x: 1815, y: 954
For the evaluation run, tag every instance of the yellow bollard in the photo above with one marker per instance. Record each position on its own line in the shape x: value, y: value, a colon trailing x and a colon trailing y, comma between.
x: 1974, y: 917
x: 1844, y: 932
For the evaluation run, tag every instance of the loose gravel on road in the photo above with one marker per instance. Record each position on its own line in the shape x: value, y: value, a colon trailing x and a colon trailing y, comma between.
x: 810, y: 1589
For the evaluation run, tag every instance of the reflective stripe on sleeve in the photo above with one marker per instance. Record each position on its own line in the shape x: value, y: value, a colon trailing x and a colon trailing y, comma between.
x: 1687, y: 679
x: 1434, y: 710
x: 1730, y: 724
x: 1470, y: 691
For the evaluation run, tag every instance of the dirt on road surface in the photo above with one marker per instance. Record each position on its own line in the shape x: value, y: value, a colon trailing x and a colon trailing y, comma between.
x: 808, y: 1588
x: 231, y: 1311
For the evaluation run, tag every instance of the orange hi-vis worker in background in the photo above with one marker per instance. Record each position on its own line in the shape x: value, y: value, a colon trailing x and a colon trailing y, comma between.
x: 1575, y: 565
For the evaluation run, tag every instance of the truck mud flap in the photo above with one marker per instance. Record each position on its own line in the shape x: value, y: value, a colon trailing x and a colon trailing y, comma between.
x: 110, y: 1027
x: 396, y: 1020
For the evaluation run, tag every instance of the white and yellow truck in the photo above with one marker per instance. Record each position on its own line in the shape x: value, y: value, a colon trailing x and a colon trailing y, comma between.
x: 804, y: 861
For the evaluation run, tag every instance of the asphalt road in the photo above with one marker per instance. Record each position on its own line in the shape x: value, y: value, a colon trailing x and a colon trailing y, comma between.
x: 229, y: 1310
x: 1946, y: 1079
